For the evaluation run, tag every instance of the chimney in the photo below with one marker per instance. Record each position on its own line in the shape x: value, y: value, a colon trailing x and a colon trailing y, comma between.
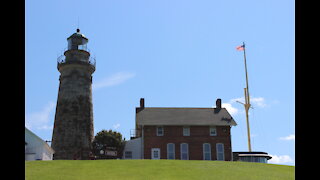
x: 218, y: 103
x: 141, y: 103
x: 138, y: 109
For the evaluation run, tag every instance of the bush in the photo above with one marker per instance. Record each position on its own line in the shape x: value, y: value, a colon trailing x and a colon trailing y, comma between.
x: 108, y: 140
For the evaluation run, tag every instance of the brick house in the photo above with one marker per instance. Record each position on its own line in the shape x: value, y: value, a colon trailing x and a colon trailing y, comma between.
x: 181, y: 133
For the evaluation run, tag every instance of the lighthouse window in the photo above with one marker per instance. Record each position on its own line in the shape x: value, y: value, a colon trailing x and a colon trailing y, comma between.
x: 82, y: 46
x: 72, y: 44
x: 69, y: 44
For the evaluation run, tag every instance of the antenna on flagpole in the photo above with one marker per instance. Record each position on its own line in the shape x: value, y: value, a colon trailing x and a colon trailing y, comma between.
x: 78, y: 23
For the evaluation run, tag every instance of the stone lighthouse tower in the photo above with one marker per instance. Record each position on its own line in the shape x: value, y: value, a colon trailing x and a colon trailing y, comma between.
x: 73, y: 124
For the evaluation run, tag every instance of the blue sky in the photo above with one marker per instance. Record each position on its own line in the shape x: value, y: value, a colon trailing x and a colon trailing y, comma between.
x: 173, y: 53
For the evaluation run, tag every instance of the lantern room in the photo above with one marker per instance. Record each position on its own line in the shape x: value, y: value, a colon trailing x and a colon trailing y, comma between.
x: 77, y: 41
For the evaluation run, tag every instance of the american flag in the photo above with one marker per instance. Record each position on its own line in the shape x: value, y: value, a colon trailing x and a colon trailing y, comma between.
x: 240, y: 48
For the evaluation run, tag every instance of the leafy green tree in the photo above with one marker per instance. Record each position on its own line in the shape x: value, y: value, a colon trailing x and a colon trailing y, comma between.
x: 108, y: 140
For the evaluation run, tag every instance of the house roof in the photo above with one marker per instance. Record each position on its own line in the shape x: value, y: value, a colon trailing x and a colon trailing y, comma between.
x: 41, y: 140
x: 184, y: 116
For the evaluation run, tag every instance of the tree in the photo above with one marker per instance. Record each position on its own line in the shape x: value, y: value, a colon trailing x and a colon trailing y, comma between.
x: 108, y: 140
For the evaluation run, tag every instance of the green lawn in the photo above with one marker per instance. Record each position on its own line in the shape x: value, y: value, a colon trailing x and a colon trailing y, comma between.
x: 153, y: 170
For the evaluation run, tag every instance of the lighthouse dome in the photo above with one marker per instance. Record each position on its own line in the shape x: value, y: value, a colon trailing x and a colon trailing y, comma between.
x: 77, y: 35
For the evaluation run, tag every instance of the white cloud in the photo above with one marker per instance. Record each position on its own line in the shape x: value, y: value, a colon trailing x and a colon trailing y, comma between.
x: 291, y: 137
x: 282, y: 159
x: 275, y: 101
x: 230, y: 105
x: 113, y: 80
x: 232, y: 110
x: 40, y: 119
x: 116, y: 126
x: 46, y: 127
x: 259, y: 101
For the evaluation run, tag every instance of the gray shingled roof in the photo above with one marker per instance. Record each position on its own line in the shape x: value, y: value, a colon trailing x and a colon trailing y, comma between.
x: 185, y: 116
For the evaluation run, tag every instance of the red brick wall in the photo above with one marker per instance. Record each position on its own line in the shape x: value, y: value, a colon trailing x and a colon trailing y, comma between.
x: 198, y: 136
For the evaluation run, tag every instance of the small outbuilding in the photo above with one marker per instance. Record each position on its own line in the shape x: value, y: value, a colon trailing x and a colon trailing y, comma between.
x: 36, y: 148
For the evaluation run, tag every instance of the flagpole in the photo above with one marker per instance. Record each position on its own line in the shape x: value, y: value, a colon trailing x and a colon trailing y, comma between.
x: 245, y: 64
x: 247, y: 97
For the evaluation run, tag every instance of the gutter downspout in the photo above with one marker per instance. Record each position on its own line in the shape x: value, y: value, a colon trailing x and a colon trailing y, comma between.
x: 231, y: 144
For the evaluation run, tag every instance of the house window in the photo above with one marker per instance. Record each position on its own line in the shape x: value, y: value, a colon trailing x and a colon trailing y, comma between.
x: 186, y: 131
x: 213, y: 131
x: 170, y: 151
x: 160, y: 131
x: 206, y: 151
x: 220, y: 152
x: 128, y: 154
x: 155, y: 153
x: 184, y: 151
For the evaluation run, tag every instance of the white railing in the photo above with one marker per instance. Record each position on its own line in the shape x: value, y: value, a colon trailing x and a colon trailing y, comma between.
x: 80, y: 47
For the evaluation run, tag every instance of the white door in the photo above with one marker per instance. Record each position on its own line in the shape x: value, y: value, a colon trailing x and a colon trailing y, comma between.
x: 155, y: 153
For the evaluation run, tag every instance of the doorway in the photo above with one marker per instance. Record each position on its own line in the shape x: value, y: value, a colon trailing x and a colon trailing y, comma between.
x: 155, y: 153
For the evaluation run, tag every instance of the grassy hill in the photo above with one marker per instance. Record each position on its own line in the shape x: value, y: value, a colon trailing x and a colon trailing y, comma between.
x: 153, y: 170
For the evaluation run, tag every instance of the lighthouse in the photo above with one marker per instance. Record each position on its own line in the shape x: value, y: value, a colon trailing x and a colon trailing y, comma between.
x: 73, y: 124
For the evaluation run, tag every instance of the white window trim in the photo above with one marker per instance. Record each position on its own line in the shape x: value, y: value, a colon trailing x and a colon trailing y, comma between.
x: 153, y: 149
x: 174, y: 153
x: 158, y: 131
x: 214, y: 129
x: 218, y: 151
x: 203, y: 151
x: 183, y: 132
x: 187, y: 151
